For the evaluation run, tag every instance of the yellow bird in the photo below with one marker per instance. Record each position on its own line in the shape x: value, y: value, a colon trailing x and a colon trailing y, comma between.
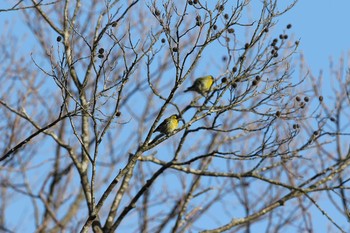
x: 168, y: 125
x: 202, y: 85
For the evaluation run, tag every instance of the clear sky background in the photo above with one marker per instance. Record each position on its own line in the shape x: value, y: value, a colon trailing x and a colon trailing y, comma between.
x: 321, y: 25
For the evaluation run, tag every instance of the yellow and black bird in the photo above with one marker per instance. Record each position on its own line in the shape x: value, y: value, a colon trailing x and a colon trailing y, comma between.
x: 168, y: 125
x: 202, y: 85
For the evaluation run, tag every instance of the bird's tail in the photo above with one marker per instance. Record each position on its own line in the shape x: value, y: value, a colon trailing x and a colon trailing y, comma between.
x: 189, y: 89
x: 156, y: 138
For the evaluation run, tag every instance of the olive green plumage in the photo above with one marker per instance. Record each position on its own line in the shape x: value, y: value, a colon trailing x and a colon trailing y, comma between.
x: 168, y: 125
x: 202, y: 85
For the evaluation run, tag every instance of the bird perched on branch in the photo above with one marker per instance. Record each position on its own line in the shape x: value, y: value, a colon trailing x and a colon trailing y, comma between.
x: 168, y: 125
x: 202, y: 85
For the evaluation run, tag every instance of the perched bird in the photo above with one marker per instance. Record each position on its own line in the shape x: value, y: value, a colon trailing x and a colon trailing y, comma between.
x: 168, y: 125
x: 202, y: 85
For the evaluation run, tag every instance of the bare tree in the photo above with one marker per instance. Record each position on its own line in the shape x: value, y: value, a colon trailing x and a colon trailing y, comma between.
x: 79, y: 111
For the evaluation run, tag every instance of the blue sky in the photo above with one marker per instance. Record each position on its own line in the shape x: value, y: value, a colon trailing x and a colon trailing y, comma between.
x: 322, y: 26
